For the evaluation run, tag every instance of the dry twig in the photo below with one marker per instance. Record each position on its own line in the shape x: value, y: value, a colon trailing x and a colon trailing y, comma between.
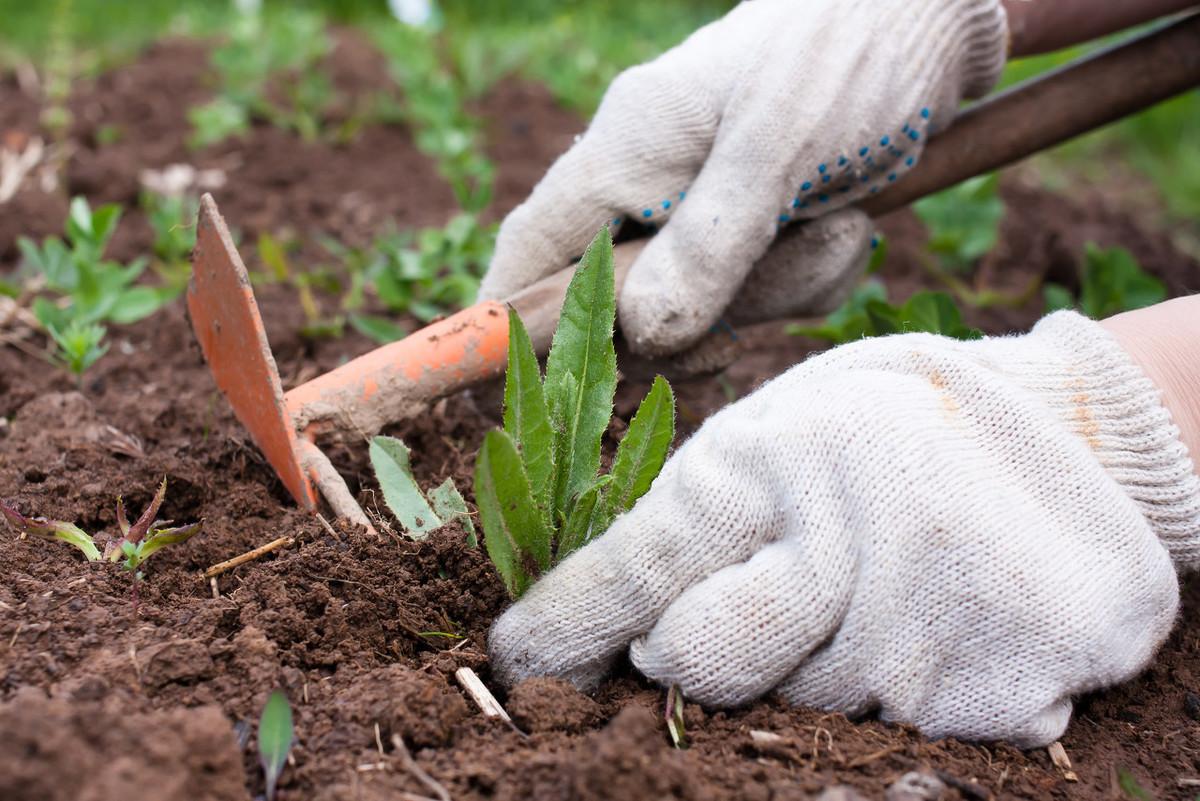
x: 248, y: 556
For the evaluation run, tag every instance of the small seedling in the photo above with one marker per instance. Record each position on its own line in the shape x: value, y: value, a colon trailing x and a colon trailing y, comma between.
x: 80, y: 290
x: 137, y: 542
x: 868, y: 314
x: 536, y: 480
x: 275, y: 738
x: 1112, y: 281
x: 417, y: 514
x: 963, y: 221
x: 673, y: 714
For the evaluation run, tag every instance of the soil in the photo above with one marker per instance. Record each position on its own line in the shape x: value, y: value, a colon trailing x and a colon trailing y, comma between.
x: 101, y: 703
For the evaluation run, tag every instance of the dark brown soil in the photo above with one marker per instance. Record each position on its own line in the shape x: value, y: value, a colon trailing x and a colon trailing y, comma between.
x: 365, y: 634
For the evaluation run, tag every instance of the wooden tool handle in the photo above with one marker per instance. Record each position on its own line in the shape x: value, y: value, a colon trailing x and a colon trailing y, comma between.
x: 993, y: 133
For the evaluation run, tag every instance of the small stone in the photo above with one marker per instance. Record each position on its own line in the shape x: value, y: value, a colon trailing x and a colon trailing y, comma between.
x: 1191, y: 705
x: 916, y: 786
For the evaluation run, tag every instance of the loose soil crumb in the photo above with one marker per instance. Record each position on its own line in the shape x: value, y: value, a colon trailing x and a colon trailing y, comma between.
x: 365, y: 632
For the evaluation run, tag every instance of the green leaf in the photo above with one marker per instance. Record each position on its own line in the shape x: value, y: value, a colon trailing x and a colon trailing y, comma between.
x: 963, y: 221
x: 930, y: 312
x: 449, y: 504
x: 850, y: 321
x: 79, y: 221
x: 52, y: 529
x: 526, y: 417
x: 379, y: 329
x: 1056, y: 297
x: 588, y: 518
x: 583, y: 350
x: 1130, y: 787
x: 879, y: 251
x: 643, y: 450
x: 135, y: 304
x: 162, y: 537
x: 272, y: 255
x: 275, y: 737
x: 514, y: 529
x: 1114, y: 282
x: 389, y: 458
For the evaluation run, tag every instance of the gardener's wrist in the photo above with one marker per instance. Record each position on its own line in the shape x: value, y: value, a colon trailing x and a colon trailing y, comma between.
x: 1164, y: 341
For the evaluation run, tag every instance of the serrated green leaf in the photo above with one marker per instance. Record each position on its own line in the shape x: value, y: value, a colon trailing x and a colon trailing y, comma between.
x: 449, y: 504
x: 583, y: 349
x: 390, y: 459
x: 275, y: 737
x: 643, y: 450
x: 514, y: 529
x: 588, y: 518
x: 526, y: 417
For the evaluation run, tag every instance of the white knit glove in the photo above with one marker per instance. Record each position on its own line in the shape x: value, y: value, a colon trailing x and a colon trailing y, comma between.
x: 781, y: 111
x: 958, y: 535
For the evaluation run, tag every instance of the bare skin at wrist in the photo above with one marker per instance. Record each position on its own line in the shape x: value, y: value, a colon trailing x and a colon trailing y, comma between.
x: 1039, y: 26
x: 1164, y: 340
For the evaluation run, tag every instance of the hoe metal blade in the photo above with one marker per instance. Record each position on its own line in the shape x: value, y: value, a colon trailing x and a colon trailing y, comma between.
x: 230, y: 330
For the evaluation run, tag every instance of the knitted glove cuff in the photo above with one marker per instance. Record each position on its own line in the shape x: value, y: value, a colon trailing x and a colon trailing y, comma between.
x: 981, y: 46
x: 1102, y: 395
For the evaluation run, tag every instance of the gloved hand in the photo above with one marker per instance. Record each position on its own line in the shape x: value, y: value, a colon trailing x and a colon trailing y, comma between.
x: 782, y: 111
x: 959, y: 535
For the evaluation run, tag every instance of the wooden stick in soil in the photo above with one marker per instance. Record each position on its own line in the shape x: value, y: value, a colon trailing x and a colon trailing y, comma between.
x: 474, y: 687
x: 248, y: 556
x: 416, y: 770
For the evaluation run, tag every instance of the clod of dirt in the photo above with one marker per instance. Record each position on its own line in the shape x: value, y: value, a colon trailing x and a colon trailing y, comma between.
x: 541, y: 704
x: 178, y: 660
x: 421, y: 708
x: 631, y: 760
x: 916, y: 786
x: 55, y: 750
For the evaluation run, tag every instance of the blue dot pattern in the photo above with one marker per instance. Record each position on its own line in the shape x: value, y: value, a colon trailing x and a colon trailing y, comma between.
x: 864, y: 172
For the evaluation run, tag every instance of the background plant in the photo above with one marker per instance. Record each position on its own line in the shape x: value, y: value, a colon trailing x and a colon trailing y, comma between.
x: 867, y: 313
x: 77, y: 289
x: 269, y: 72
x: 537, y: 481
x: 963, y: 221
x: 1110, y: 282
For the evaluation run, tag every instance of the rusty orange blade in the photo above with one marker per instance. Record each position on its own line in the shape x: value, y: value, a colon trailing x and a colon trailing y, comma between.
x: 230, y: 331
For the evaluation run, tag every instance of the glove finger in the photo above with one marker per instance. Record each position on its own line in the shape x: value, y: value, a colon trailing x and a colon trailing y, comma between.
x: 637, y: 158
x: 809, y: 270
x: 733, y: 637
x: 706, y: 510
x: 690, y: 271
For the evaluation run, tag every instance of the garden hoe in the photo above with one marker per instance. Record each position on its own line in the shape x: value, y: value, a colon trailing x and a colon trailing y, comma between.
x: 400, y: 380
